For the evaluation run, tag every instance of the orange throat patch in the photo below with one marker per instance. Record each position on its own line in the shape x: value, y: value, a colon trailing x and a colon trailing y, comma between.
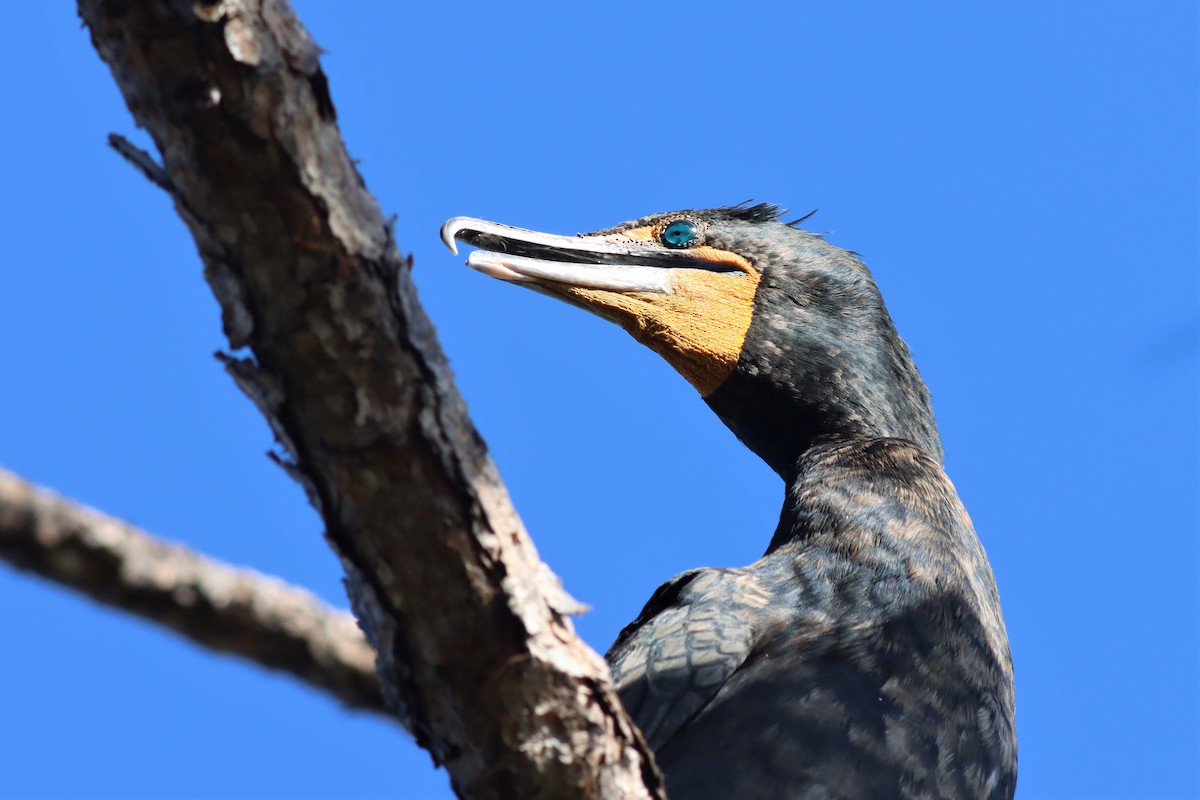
x: 699, y: 327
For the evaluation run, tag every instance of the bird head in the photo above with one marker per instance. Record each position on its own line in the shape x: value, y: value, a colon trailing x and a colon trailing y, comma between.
x: 784, y: 335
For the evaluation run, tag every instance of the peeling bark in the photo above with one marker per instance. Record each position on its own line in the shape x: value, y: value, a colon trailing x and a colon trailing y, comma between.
x: 476, y: 651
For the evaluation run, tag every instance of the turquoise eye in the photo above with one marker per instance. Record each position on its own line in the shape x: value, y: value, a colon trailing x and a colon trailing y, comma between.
x: 680, y: 233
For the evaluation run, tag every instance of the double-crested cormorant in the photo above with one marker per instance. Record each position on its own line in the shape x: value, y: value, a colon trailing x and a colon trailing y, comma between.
x: 864, y: 655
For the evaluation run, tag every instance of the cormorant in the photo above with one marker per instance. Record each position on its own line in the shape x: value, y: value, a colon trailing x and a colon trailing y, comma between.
x: 864, y: 655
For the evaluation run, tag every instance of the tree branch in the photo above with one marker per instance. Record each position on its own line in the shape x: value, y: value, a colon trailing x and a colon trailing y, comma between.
x: 233, y: 610
x: 475, y: 648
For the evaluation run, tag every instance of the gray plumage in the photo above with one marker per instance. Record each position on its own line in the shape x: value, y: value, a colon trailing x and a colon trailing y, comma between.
x: 864, y: 656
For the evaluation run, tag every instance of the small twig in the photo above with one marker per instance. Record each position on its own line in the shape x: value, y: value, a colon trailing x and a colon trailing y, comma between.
x: 225, y: 608
x: 142, y: 161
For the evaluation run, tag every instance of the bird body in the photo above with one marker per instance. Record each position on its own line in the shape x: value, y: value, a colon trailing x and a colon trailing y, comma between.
x: 864, y: 655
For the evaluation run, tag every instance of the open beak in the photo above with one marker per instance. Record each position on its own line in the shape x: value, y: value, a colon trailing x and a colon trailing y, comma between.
x: 690, y: 305
x: 610, y: 262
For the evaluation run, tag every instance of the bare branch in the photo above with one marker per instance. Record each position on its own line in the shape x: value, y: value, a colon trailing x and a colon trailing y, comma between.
x: 233, y: 610
x: 476, y: 651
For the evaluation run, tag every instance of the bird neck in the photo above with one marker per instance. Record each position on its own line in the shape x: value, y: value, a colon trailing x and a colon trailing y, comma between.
x: 861, y: 496
x: 791, y: 394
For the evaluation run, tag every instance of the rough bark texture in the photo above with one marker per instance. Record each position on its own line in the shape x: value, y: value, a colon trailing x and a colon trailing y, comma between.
x: 221, y: 607
x: 476, y: 652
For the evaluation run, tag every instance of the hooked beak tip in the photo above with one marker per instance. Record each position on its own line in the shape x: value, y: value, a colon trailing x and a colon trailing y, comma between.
x: 448, y: 230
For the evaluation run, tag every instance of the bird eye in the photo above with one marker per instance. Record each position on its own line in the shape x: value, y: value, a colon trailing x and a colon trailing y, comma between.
x: 680, y: 233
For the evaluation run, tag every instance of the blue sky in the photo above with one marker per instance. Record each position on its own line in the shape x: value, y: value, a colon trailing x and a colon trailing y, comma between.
x: 1021, y: 177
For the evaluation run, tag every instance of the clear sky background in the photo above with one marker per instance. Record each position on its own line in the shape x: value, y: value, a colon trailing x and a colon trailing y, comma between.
x: 1021, y: 177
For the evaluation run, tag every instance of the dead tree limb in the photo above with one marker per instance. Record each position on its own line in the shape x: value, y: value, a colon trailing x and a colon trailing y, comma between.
x: 475, y: 648
x: 224, y: 608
